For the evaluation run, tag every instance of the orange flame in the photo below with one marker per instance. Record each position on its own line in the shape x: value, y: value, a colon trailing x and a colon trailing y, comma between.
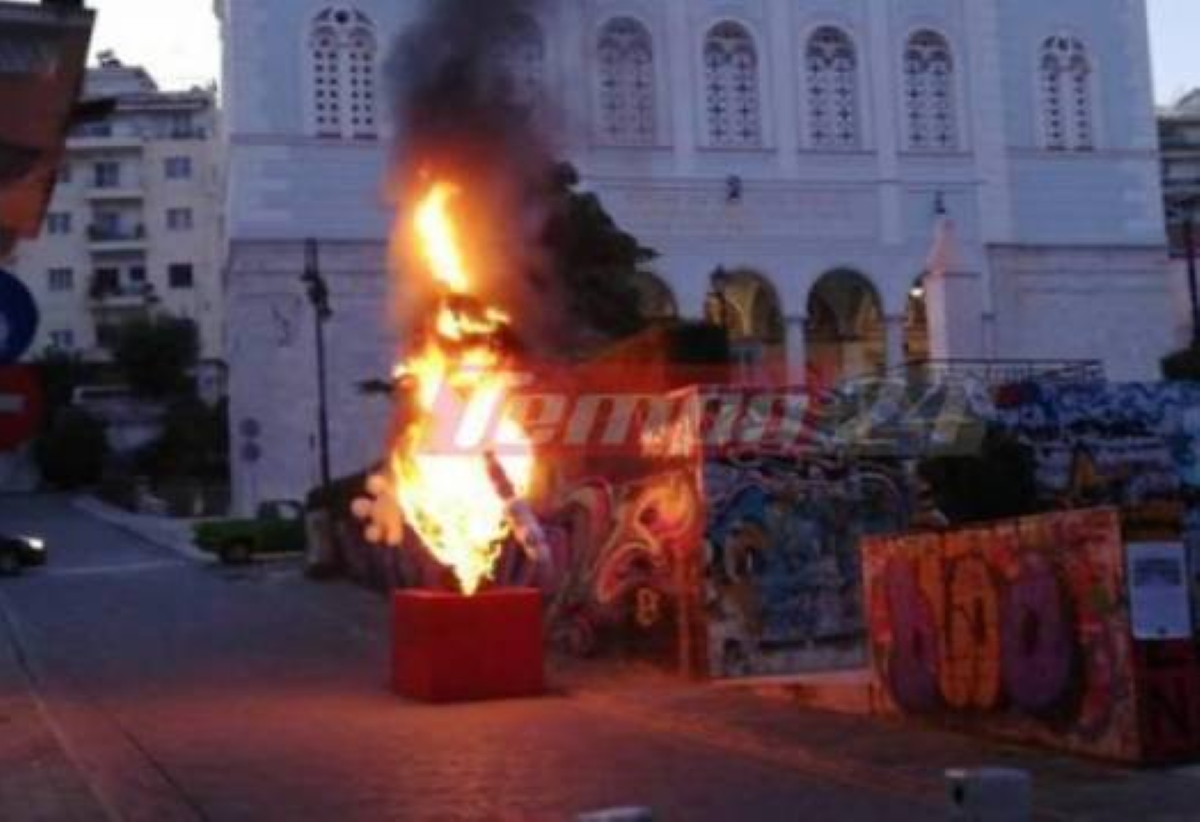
x: 445, y: 491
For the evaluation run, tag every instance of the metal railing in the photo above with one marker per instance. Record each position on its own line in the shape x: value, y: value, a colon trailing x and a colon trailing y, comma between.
x: 1003, y: 371
x: 110, y: 234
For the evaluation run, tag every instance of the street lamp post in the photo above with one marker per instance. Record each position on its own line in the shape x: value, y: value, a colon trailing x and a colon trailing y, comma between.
x: 318, y: 297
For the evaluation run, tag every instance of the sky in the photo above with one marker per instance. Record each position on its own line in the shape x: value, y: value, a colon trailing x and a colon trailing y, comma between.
x: 177, y: 40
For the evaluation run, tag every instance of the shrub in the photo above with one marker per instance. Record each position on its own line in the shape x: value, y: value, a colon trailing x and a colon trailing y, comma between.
x: 72, y: 452
x: 156, y: 355
x: 1183, y: 365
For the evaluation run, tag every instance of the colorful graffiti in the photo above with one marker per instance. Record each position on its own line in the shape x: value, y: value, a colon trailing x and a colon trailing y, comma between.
x: 1124, y: 444
x: 615, y: 585
x: 783, y: 590
x: 626, y: 549
x: 1019, y: 629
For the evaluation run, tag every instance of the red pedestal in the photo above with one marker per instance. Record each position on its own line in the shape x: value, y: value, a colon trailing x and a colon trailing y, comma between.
x: 451, y: 648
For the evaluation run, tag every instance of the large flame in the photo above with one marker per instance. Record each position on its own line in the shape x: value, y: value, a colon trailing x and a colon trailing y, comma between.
x: 456, y: 373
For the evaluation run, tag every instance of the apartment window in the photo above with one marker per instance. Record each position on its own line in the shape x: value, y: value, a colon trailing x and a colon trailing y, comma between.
x: 58, y: 222
x: 181, y: 276
x: 61, y: 279
x: 64, y: 172
x: 106, y: 281
x: 178, y: 168
x: 63, y: 340
x: 179, y: 219
x: 137, y: 274
x: 107, y: 174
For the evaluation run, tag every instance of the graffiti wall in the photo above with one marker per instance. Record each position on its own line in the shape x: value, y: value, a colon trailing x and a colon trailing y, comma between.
x: 1019, y: 630
x: 622, y: 570
x: 1135, y: 446
x: 782, y: 569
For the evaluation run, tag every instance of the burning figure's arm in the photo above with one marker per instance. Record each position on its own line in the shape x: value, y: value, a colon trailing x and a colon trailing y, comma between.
x: 526, y: 529
x: 380, y: 513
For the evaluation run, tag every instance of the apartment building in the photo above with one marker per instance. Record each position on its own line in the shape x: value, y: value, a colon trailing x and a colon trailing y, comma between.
x: 133, y: 227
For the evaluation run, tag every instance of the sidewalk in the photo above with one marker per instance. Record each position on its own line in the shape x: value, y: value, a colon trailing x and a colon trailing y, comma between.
x: 165, y: 532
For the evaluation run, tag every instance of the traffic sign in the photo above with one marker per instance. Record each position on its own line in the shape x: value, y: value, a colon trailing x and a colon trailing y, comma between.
x: 18, y: 318
x: 20, y: 405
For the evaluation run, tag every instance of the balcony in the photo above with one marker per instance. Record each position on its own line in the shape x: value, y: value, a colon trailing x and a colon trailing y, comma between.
x: 115, y: 296
x: 123, y: 190
x: 108, y: 238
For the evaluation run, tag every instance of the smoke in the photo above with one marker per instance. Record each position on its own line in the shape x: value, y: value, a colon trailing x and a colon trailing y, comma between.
x: 459, y: 117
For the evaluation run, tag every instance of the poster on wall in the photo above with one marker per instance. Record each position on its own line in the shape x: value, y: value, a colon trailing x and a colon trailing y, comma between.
x: 1158, y: 591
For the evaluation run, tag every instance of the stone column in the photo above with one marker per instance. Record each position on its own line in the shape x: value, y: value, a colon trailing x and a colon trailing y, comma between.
x: 797, y: 350
x: 893, y: 335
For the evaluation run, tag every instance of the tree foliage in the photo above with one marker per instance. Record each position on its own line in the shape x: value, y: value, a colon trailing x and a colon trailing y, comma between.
x: 599, y: 266
x: 194, y: 443
x: 1183, y: 365
x: 155, y: 355
x: 71, y: 454
x: 60, y: 373
x: 998, y: 483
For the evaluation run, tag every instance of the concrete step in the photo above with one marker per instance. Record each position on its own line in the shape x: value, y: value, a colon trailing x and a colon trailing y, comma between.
x: 843, y: 692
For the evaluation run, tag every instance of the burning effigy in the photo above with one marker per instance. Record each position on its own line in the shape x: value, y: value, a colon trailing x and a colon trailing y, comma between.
x: 457, y: 472
x: 467, y: 167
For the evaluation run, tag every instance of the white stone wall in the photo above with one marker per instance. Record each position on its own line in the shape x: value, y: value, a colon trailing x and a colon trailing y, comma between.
x: 1060, y: 254
x: 273, y: 374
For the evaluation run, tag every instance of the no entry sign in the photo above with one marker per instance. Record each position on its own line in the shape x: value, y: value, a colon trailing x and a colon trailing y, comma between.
x: 20, y: 405
x: 18, y: 318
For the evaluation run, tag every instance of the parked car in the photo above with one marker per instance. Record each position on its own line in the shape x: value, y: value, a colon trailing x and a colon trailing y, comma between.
x: 19, y: 553
x: 278, y: 529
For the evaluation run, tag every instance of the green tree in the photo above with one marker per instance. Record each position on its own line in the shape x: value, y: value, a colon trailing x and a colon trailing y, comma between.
x: 194, y: 443
x: 71, y: 454
x: 156, y: 355
x: 1183, y: 365
x: 60, y: 373
x: 601, y: 267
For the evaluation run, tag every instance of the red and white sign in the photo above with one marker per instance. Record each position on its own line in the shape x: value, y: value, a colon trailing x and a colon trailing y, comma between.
x: 20, y: 406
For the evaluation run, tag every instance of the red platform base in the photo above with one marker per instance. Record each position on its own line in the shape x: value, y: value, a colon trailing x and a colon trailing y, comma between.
x: 451, y: 648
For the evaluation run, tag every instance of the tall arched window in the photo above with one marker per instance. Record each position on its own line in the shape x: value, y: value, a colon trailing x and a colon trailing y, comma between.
x: 929, y: 93
x: 342, y: 53
x: 521, y: 52
x: 731, y: 87
x: 627, y: 113
x: 1066, y: 85
x: 832, y: 68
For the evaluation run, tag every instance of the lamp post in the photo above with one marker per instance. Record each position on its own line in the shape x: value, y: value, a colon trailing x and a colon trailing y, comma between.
x: 318, y: 297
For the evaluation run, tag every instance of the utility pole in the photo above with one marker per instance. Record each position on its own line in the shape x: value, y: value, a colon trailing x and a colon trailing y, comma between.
x: 318, y: 297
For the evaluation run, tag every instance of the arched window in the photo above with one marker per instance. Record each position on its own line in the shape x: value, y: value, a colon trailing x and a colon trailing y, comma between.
x: 627, y: 113
x: 929, y: 93
x: 731, y: 88
x: 521, y: 52
x: 832, y: 67
x: 1066, y: 86
x: 342, y: 53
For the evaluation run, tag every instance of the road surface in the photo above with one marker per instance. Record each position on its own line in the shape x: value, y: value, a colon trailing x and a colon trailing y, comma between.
x: 150, y: 685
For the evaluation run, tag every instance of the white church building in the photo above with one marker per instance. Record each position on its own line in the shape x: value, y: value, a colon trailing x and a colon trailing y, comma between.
x: 805, y: 149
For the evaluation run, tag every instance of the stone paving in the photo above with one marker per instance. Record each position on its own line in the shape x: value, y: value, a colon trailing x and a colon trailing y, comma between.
x: 189, y: 691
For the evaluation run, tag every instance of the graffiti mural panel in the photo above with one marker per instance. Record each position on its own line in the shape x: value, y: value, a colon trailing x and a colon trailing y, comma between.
x: 1019, y: 630
x: 782, y: 572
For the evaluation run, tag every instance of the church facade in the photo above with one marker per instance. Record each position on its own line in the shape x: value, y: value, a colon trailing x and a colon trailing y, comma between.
x: 865, y: 183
